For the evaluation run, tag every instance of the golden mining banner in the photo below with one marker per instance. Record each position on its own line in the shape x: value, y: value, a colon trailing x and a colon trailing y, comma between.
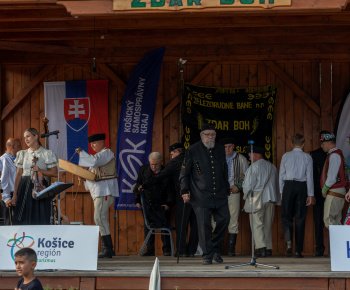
x: 240, y: 113
x: 175, y: 5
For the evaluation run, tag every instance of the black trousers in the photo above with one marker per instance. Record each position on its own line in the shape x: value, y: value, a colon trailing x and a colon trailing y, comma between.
x: 211, y: 243
x: 158, y: 217
x: 319, y: 223
x: 294, y: 206
x: 5, y: 212
x: 189, y: 217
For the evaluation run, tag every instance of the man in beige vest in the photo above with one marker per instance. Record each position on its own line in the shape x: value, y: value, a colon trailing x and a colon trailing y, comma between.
x: 237, y: 165
x: 103, y: 191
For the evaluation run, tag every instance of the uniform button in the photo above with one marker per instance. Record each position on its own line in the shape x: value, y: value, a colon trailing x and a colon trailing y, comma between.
x: 212, y: 167
x: 214, y: 188
x: 214, y: 193
x: 213, y: 177
x: 212, y: 162
x: 214, y: 182
x: 213, y: 172
x: 211, y: 156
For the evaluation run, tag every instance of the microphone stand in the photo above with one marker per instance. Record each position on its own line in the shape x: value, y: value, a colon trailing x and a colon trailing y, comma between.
x: 58, y: 195
x: 253, y: 259
x: 52, y: 219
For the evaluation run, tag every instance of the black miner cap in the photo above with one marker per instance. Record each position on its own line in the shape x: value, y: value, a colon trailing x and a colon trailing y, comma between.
x: 96, y: 137
x: 208, y: 127
x: 259, y: 150
x: 175, y: 146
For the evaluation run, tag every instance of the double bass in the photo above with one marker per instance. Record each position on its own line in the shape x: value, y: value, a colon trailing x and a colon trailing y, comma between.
x: 64, y: 220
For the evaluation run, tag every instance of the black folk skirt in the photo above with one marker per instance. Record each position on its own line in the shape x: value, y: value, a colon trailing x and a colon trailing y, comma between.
x: 30, y: 211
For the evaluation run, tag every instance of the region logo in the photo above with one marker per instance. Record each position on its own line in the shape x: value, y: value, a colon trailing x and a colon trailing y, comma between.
x: 20, y: 243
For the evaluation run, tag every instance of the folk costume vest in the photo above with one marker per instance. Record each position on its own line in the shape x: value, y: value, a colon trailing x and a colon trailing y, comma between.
x: 107, y: 171
x: 342, y: 177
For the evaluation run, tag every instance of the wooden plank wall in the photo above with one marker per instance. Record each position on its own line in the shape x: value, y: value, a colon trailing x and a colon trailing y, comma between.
x: 293, y: 116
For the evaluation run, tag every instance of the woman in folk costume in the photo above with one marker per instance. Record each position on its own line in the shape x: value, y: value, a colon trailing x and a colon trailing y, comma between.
x: 36, y: 160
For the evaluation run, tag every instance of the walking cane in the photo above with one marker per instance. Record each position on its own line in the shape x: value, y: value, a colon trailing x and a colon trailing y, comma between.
x: 10, y: 214
x: 182, y: 222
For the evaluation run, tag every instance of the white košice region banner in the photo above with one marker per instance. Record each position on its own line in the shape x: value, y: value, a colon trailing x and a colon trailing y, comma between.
x: 68, y: 247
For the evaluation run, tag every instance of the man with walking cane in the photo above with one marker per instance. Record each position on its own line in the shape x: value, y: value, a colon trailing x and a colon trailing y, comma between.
x: 204, y: 184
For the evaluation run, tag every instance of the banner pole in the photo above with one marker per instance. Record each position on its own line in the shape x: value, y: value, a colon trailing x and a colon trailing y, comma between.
x: 180, y: 64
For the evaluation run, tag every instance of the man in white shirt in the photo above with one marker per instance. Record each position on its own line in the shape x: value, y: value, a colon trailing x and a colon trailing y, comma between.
x: 296, y: 185
x: 8, y: 175
x: 261, y: 178
x: 103, y: 191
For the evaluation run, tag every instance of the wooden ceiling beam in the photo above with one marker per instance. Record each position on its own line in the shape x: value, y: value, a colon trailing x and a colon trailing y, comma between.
x: 24, y: 93
x: 284, y: 77
x: 42, y: 48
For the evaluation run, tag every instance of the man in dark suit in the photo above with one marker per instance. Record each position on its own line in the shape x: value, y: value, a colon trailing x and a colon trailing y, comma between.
x: 204, y: 184
x: 159, y: 198
x: 318, y: 158
x: 185, y: 215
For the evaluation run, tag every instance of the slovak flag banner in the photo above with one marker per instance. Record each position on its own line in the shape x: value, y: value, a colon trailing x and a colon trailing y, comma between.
x: 135, y: 129
x: 78, y: 109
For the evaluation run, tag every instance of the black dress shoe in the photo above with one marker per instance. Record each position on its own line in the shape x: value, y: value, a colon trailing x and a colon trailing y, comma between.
x: 318, y: 254
x: 191, y: 255
x: 148, y: 253
x: 261, y: 253
x: 327, y: 256
x: 268, y: 253
x: 298, y: 255
x: 217, y: 258
x: 167, y: 254
x: 207, y: 262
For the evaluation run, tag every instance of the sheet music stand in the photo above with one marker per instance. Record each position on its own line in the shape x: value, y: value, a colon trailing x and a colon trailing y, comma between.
x: 53, y: 190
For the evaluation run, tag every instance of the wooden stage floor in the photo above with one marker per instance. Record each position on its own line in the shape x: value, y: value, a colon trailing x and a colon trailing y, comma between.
x: 133, y: 272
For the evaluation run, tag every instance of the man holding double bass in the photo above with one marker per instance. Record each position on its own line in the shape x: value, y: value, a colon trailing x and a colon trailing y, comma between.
x: 105, y: 187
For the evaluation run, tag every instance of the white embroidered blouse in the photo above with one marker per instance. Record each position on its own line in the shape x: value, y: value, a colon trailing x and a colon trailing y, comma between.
x: 46, y: 159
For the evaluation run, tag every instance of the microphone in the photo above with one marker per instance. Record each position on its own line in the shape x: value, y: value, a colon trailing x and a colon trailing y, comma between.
x: 49, y: 134
x: 250, y: 142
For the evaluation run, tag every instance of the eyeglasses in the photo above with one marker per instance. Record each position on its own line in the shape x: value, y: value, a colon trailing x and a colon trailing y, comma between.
x: 209, y: 134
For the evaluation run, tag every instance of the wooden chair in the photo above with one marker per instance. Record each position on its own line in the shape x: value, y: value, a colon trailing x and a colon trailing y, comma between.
x: 154, y: 231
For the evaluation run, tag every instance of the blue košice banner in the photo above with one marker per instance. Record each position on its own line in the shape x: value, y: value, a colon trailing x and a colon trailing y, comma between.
x: 134, y: 142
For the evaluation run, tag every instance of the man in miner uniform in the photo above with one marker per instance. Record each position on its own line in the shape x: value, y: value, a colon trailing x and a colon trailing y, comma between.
x: 104, y: 189
x: 204, y: 184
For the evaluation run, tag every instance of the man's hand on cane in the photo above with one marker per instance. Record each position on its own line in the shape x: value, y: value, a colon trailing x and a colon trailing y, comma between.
x: 8, y: 203
x: 186, y: 197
